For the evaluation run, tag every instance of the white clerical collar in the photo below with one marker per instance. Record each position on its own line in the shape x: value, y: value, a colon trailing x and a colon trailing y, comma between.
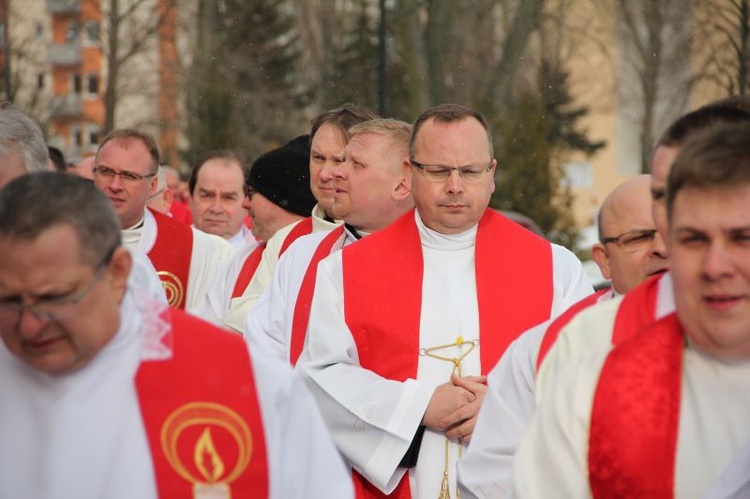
x: 320, y: 220
x: 448, y: 242
x: 132, y: 235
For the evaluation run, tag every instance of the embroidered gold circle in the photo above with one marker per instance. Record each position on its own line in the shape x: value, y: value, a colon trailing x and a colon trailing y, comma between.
x: 173, y: 287
x: 206, y: 414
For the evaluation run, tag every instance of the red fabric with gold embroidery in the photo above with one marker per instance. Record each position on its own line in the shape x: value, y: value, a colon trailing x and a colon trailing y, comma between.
x: 201, y: 413
x: 383, y: 294
x: 635, y: 416
x: 171, y: 254
x: 301, y: 316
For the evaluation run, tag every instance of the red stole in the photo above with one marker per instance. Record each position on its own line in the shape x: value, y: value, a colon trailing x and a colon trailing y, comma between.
x: 301, y: 315
x: 201, y: 414
x: 253, y: 259
x: 171, y: 255
x: 635, y: 416
x: 301, y: 229
x: 553, y: 330
x: 383, y: 296
x: 248, y: 270
x: 637, y: 310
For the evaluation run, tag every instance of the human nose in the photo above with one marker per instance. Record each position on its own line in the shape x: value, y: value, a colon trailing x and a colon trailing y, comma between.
x: 454, y: 183
x: 215, y: 205
x: 658, y: 247
x: 716, y: 262
x: 328, y: 171
x: 29, y: 322
x: 115, y: 182
x: 339, y: 169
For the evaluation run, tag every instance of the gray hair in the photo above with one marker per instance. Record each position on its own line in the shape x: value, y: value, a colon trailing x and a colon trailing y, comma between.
x: 34, y: 203
x: 20, y: 135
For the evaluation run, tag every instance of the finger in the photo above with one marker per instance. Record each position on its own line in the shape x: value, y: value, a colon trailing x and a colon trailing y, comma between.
x: 463, y: 413
x: 471, y: 384
x: 463, y: 430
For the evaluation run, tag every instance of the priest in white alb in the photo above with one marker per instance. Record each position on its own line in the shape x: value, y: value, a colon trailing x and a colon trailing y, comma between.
x: 665, y: 412
x: 370, y: 192
x: 108, y: 393
x: 405, y: 323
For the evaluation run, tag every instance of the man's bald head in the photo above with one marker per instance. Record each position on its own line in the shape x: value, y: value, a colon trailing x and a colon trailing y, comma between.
x: 629, y: 249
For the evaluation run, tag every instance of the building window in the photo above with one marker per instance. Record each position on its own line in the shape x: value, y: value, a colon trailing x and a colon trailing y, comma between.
x: 92, y: 32
x: 40, y: 81
x: 92, y: 84
x: 71, y: 33
x: 77, y: 84
x: 77, y: 137
x: 93, y: 136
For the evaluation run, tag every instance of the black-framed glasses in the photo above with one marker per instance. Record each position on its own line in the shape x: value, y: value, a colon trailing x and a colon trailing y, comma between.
x: 441, y: 173
x: 633, y: 240
x: 54, y: 309
x: 125, y: 175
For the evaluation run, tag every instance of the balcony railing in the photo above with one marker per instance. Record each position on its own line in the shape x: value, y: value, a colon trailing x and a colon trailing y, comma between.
x: 65, y: 54
x: 66, y: 106
x: 64, y: 6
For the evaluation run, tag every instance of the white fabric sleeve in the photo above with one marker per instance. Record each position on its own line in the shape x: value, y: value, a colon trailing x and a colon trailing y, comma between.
x: 570, y: 284
x: 486, y: 470
x: 303, y: 461
x: 266, y: 326
x: 210, y: 256
x: 269, y: 323
x: 215, y: 302
x: 552, y: 460
x: 373, y: 419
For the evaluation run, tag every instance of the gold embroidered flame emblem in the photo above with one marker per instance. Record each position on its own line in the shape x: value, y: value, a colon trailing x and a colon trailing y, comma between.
x: 173, y: 287
x: 221, y: 445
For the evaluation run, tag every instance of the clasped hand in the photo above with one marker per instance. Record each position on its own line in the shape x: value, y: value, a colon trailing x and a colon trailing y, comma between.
x: 454, y: 406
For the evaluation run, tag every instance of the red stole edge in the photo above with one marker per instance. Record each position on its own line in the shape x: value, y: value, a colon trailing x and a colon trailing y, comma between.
x: 553, y: 330
x: 248, y: 270
x: 301, y: 316
x: 637, y: 310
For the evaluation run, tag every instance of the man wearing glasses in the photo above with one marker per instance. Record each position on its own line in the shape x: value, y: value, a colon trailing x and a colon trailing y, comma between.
x: 627, y: 259
x: 603, y: 325
x: 186, y: 259
x: 664, y: 412
x: 101, y: 395
x: 404, y: 323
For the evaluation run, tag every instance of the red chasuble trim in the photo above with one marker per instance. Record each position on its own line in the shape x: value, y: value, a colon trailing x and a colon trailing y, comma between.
x: 553, y: 330
x: 637, y: 310
x: 635, y: 416
x: 171, y: 255
x: 248, y: 270
x: 383, y: 295
x: 303, y: 228
x: 301, y: 316
x: 205, y: 431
